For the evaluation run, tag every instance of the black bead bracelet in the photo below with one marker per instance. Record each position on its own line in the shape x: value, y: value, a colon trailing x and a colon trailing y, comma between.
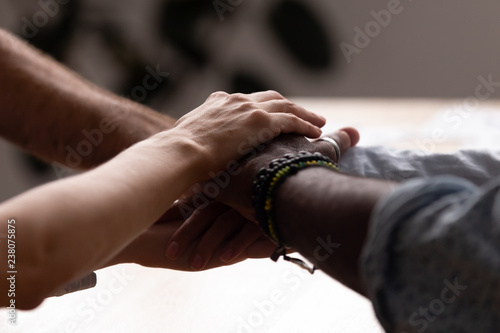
x: 266, y: 185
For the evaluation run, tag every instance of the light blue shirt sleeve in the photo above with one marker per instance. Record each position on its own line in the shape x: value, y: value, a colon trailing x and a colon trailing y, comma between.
x: 431, y: 262
x: 477, y: 166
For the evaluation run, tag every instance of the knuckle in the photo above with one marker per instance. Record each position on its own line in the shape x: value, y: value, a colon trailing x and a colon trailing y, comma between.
x: 293, y: 117
x: 218, y: 94
x: 238, y: 97
x: 259, y: 116
x: 274, y: 94
x: 293, y: 121
x: 244, y: 106
x: 287, y: 106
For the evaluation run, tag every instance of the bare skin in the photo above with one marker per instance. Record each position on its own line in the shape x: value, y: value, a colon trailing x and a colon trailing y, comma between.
x: 46, y: 109
x: 337, y: 210
x: 208, y: 223
x: 322, y: 214
x: 108, y: 215
x: 149, y: 248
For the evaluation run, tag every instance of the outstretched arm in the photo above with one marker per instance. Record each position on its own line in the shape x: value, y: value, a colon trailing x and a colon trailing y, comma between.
x: 50, y: 111
x: 69, y: 227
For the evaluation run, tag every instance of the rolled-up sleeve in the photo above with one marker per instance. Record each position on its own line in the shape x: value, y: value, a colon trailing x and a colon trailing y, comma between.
x: 477, y: 166
x: 431, y: 262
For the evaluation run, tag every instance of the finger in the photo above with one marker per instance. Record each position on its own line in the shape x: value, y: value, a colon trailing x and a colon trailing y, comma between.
x: 264, y: 96
x: 352, y: 133
x: 239, y: 243
x: 290, y: 123
x: 275, y: 102
x: 285, y: 106
x: 181, y: 209
x: 224, y: 227
x: 195, y: 225
x: 345, y: 138
x: 263, y: 247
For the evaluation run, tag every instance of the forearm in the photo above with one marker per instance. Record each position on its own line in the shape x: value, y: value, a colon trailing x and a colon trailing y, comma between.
x: 74, y: 225
x: 50, y: 111
x: 325, y: 216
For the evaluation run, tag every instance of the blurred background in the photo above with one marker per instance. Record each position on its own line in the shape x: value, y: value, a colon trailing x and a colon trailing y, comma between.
x: 378, y: 48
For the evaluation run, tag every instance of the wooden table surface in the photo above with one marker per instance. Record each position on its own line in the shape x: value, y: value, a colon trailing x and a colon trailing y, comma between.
x: 259, y: 295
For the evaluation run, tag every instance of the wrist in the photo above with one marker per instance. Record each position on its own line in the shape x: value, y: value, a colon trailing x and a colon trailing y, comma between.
x: 195, y: 158
x: 111, y: 126
x: 261, y: 158
x: 270, y: 179
x: 139, y: 122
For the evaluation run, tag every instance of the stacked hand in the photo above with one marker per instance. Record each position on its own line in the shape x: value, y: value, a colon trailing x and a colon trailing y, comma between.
x: 226, y: 127
x: 224, y: 231
x: 196, y: 235
x: 145, y: 172
x: 219, y: 132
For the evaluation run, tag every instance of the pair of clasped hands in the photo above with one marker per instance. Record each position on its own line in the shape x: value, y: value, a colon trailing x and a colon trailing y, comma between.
x: 213, y: 224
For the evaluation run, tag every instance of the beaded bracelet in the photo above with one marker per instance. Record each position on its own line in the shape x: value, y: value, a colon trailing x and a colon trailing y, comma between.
x: 267, y: 183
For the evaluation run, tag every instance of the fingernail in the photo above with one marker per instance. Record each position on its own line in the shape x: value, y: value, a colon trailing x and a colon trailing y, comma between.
x: 172, y: 250
x: 227, y: 255
x: 197, y: 262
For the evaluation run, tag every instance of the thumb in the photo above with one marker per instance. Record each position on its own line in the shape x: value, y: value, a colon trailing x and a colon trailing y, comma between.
x: 346, y: 138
